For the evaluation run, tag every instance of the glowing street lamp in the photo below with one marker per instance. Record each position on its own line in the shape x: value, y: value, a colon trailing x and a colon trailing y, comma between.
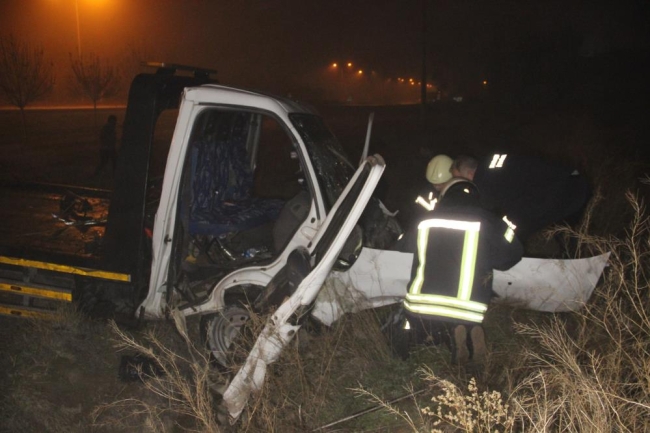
x: 349, y: 64
x: 335, y: 65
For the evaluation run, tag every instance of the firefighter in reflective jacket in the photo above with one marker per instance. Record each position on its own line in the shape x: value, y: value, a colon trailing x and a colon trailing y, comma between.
x: 456, y: 247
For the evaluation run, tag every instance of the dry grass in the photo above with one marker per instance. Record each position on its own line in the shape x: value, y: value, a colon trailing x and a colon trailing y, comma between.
x: 591, y: 372
x: 571, y: 372
x: 311, y: 385
x: 578, y: 372
x: 183, y: 386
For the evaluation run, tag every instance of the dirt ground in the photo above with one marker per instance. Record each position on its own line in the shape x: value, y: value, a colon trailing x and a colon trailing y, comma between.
x: 60, y: 375
x: 55, y: 375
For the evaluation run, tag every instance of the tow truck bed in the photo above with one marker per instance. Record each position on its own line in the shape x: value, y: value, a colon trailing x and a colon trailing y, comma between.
x: 49, y: 238
x: 34, y: 225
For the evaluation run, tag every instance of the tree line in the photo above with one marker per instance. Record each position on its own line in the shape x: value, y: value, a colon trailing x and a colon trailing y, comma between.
x: 27, y: 76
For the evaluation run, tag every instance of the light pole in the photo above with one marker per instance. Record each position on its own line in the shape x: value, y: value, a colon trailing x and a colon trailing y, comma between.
x: 423, y: 85
x: 76, y: 3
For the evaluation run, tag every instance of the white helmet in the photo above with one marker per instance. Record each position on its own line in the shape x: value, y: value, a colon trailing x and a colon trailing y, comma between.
x: 439, y: 169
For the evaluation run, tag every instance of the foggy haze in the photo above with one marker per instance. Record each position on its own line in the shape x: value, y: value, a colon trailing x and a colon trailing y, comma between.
x: 288, y: 45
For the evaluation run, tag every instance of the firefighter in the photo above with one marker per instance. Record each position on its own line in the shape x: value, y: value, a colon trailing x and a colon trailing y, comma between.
x: 456, y: 246
x: 533, y: 192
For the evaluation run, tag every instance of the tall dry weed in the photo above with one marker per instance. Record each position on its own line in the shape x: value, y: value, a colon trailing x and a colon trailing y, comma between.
x: 182, y: 387
x: 590, y: 370
x: 587, y: 371
x: 312, y: 383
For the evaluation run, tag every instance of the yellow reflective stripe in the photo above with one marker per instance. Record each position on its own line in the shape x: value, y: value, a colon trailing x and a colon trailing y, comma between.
x: 497, y: 160
x: 508, y: 222
x: 21, y: 312
x: 468, y: 261
x: 423, y: 239
x: 450, y: 224
x: 446, y: 301
x: 428, y: 205
x: 66, y: 269
x: 467, y: 264
x: 444, y: 312
x: 36, y: 291
x: 510, y: 231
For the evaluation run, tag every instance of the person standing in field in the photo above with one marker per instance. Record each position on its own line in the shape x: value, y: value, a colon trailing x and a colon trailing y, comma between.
x: 107, y: 144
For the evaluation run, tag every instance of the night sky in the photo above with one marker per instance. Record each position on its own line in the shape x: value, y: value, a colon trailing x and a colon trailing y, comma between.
x: 277, y: 44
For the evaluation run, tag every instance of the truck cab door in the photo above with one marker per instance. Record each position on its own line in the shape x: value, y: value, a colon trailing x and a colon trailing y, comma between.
x: 322, y: 254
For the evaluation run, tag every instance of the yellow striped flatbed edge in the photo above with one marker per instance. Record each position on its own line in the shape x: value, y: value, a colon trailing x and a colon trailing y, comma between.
x: 35, y: 290
x: 106, y: 275
x: 24, y: 312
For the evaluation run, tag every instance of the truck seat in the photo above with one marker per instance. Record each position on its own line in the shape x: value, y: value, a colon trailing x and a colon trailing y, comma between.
x: 221, y: 187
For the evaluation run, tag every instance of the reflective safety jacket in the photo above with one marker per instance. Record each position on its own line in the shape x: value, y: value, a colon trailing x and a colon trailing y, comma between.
x: 456, y: 247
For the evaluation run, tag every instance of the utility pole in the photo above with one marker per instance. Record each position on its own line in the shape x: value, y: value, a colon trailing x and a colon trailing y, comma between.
x: 78, y: 33
x: 423, y: 81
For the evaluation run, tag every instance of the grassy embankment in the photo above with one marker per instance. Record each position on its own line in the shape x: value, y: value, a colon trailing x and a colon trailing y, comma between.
x: 586, y: 371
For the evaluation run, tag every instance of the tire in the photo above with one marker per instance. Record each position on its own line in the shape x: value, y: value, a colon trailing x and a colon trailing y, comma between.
x: 221, y: 332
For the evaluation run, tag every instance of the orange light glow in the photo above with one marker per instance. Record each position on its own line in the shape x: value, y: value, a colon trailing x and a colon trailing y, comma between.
x: 349, y: 64
x: 485, y: 82
x: 360, y: 72
x: 335, y: 65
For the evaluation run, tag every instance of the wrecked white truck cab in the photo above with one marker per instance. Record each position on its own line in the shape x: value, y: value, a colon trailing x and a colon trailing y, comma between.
x: 258, y: 204
x: 249, y: 178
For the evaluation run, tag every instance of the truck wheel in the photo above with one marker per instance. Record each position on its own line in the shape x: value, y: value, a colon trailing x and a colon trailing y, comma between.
x: 221, y: 332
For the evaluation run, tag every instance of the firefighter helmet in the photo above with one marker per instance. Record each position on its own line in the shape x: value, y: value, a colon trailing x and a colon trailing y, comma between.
x: 439, y: 169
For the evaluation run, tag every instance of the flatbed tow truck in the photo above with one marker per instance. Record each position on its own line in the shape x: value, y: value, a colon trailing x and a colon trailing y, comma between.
x: 257, y: 205
x: 58, y: 240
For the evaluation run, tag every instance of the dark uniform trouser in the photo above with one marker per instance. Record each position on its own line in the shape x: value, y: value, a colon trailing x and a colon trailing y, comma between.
x: 465, y: 340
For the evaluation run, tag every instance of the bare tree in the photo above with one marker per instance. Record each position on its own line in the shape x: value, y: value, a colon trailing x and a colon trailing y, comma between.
x: 94, y: 78
x: 25, y: 75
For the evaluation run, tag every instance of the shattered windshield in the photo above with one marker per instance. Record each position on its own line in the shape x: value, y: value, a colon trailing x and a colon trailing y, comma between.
x: 333, y: 168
